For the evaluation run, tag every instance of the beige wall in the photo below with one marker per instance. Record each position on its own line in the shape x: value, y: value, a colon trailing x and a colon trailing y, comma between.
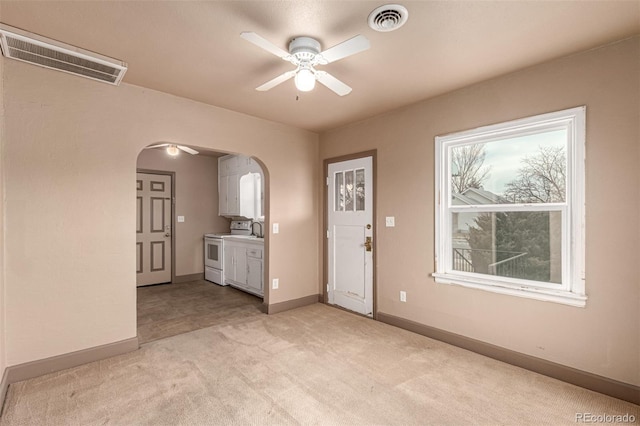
x: 196, y: 186
x: 602, y: 338
x: 3, y: 362
x: 70, y: 155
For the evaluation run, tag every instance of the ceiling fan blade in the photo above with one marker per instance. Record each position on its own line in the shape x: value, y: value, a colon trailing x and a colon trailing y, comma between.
x: 187, y: 149
x: 278, y: 80
x: 264, y: 43
x: 162, y: 145
x: 332, y: 83
x: 347, y: 48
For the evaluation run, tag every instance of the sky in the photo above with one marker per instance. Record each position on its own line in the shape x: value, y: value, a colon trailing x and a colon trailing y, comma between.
x: 505, y: 156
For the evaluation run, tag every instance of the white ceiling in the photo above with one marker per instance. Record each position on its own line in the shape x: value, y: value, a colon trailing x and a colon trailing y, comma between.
x: 193, y: 49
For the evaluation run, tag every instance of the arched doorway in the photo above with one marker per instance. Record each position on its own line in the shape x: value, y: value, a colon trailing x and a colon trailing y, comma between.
x: 188, y: 301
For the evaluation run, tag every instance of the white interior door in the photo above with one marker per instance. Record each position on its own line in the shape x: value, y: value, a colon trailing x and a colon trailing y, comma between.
x: 350, y: 235
x: 153, y: 229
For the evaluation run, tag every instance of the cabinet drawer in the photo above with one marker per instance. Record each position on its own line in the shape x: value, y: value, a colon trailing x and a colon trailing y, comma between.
x: 254, y: 252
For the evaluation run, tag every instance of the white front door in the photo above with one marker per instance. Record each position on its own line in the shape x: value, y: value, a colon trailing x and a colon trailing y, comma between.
x: 153, y: 229
x: 350, y: 235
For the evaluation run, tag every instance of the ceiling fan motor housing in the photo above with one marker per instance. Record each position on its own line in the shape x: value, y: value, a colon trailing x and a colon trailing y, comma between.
x: 304, y: 49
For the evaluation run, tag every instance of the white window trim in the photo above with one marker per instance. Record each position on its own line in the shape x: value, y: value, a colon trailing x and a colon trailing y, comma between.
x: 572, y: 290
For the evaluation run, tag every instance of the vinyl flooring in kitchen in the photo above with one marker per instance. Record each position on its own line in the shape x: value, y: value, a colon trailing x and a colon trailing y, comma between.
x: 169, y: 309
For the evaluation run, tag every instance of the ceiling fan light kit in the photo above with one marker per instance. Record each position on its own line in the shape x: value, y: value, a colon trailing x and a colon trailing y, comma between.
x: 174, y: 149
x: 305, y: 80
x: 304, y: 53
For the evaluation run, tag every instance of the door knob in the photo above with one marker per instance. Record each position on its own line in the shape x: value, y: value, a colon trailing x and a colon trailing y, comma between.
x: 367, y: 243
x: 167, y: 234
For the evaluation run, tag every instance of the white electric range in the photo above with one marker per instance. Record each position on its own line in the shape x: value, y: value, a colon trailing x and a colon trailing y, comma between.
x: 214, y: 250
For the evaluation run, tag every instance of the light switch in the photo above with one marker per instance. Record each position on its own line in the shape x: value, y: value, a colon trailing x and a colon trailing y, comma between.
x: 390, y: 221
x: 276, y: 228
x: 180, y: 218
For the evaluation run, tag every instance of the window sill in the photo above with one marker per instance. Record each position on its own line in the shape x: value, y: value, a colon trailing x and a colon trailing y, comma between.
x: 556, y: 296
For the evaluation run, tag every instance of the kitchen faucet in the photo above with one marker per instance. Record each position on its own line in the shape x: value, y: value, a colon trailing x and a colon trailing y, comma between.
x: 260, y: 235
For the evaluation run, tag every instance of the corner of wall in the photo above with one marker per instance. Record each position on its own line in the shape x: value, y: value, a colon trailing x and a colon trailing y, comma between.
x: 3, y: 363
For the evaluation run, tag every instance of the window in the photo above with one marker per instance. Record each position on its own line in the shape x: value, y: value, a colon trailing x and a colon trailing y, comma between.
x: 510, y: 207
x: 349, y: 195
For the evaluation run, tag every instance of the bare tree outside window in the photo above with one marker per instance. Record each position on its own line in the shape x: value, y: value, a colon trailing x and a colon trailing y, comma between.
x: 468, y: 167
x: 541, y: 179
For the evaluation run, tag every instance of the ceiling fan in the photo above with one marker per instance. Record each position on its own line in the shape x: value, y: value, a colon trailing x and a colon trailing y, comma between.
x: 173, y: 149
x: 305, y: 54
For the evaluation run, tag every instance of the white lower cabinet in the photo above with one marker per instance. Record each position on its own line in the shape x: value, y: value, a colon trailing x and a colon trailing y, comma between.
x: 243, y: 266
x: 235, y: 263
x: 254, y: 270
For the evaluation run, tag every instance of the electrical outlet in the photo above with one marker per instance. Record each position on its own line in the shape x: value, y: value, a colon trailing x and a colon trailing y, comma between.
x: 390, y: 221
x: 275, y: 283
x: 403, y: 296
x: 276, y: 228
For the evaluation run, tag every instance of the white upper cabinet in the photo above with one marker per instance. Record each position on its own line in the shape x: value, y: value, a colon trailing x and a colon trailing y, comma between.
x: 240, y: 187
x: 228, y: 190
x: 227, y: 165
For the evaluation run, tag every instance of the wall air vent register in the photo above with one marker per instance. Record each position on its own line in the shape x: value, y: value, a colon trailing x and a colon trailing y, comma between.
x: 47, y: 53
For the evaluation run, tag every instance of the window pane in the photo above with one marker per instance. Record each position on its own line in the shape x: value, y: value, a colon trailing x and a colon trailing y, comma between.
x: 360, y: 189
x: 524, y: 245
x: 339, y: 192
x: 348, y: 193
x: 522, y: 169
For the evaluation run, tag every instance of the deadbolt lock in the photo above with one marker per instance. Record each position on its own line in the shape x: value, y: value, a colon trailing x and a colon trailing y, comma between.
x: 367, y: 243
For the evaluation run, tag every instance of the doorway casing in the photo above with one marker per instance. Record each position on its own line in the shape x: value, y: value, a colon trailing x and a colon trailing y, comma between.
x: 173, y: 214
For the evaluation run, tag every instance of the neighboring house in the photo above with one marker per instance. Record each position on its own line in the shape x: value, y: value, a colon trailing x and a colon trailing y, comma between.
x: 463, y: 221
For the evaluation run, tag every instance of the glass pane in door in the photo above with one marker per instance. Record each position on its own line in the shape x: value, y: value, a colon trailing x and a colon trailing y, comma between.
x: 339, y: 192
x: 348, y: 193
x: 359, y: 190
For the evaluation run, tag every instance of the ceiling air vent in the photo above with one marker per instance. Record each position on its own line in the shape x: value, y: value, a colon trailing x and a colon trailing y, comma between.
x: 389, y: 17
x: 37, y: 50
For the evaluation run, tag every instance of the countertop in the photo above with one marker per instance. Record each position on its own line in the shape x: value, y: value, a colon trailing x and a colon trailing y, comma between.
x: 245, y: 239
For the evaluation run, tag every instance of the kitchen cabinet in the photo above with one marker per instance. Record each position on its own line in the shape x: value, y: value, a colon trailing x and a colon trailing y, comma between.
x: 228, y: 195
x: 240, y: 187
x: 227, y: 164
x: 254, y: 270
x: 235, y: 268
x: 243, y: 264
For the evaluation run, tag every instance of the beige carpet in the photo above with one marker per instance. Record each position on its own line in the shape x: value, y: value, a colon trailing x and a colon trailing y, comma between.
x: 313, y: 365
